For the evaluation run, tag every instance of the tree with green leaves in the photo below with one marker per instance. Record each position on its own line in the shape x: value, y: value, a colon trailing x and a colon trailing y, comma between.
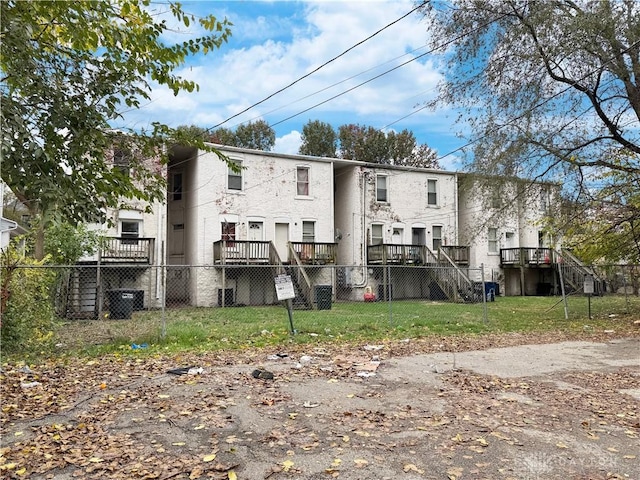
x: 318, y: 139
x: 367, y: 144
x: 606, y: 227
x: 68, y: 70
x: 362, y: 143
x: 550, y: 88
x: 256, y: 135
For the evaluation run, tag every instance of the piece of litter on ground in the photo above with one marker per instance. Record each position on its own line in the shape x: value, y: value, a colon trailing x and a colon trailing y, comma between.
x: 368, y: 367
x: 313, y: 334
x: 195, y: 371
x: 262, y: 374
x: 365, y: 374
x: 273, y: 357
x: 135, y: 346
x: 609, y: 331
x: 29, y: 384
x: 308, y: 404
x: 181, y: 370
x: 373, y: 347
x: 305, y: 359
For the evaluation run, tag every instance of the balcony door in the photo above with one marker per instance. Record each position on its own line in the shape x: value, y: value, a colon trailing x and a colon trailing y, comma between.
x: 281, y: 240
x: 418, y: 236
x: 255, y: 235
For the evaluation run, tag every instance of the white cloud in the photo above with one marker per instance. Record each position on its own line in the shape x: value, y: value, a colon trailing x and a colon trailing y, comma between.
x: 267, y: 52
x: 289, y: 143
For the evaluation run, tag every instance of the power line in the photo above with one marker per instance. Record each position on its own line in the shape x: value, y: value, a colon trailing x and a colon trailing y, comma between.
x: 321, y: 66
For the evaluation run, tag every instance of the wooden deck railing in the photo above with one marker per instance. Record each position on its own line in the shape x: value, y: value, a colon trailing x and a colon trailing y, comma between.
x: 526, y: 256
x: 241, y: 252
x: 459, y: 254
x: 127, y: 250
x: 393, y: 254
x: 311, y: 253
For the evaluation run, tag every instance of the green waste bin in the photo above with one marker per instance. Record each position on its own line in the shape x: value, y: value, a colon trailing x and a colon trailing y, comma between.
x: 120, y: 303
x: 323, y: 297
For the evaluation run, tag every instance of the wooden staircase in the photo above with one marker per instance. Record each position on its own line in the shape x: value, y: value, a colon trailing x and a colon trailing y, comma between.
x: 573, y: 272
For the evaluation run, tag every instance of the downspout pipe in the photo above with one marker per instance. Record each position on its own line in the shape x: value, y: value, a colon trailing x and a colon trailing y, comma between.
x: 363, y: 237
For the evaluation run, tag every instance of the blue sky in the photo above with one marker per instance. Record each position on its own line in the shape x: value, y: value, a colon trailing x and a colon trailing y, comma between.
x: 274, y: 43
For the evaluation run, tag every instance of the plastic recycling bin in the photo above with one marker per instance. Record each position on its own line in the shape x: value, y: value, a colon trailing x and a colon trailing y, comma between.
x: 120, y: 303
x: 323, y: 296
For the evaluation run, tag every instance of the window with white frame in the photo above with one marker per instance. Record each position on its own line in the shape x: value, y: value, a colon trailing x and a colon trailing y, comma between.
x: 308, y: 231
x: 432, y: 192
x: 376, y: 234
x: 492, y: 236
x: 130, y: 232
x: 302, y: 180
x: 381, y: 188
x: 436, y: 235
x: 234, y: 177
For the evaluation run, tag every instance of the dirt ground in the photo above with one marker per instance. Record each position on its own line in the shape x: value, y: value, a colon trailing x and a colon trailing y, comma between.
x: 508, y: 407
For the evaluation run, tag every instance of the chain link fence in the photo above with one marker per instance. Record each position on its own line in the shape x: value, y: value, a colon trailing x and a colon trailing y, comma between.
x: 326, y: 297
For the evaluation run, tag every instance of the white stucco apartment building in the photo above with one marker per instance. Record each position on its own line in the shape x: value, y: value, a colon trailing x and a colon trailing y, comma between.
x: 225, y: 231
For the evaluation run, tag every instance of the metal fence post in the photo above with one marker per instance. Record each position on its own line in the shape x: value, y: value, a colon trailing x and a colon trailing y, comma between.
x: 163, y: 300
x: 387, y: 288
x: 484, y: 296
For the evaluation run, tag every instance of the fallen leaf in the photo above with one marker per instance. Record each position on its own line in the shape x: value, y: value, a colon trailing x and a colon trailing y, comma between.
x: 360, y: 462
x: 410, y: 467
x: 209, y: 458
x: 286, y: 465
x: 232, y: 475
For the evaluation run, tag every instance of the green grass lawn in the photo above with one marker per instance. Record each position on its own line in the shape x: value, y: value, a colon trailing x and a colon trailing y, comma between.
x: 210, y: 329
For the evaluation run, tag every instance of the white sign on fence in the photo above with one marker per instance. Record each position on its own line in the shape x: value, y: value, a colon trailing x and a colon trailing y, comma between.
x: 589, y: 284
x: 284, y: 287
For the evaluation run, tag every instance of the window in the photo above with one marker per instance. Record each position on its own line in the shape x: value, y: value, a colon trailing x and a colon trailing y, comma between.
x: 121, y: 159
x: 376, y: 235
x: 544, y: 201
x: 493, y: 240
x: 496, y: 199
x: 436, y: 235
x: 432, y: 192
x: 381, y: 188
x: 302, y: 180
x: 229, y: 233
x: 308, y: 232
x: 130, y: 232
x: 176, y: 186
x: 235, y: 178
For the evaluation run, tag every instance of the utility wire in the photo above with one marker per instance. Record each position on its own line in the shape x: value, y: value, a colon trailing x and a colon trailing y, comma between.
x: 320, y: 67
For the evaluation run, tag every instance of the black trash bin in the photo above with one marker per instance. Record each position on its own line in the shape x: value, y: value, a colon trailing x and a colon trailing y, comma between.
x: 120, y: 303
x: 323, y: 296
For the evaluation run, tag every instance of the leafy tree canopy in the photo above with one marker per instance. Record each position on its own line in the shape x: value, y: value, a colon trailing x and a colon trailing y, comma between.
x: 318, y: 139
x: 551, y: 90
x: 368, y: 144
x: 548, y: 86
x: 256, y: 135
x: 69, y: 69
